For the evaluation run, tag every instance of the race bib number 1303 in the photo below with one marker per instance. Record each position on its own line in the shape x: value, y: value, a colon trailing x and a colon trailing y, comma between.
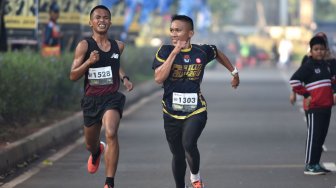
x: 185, y: 102
x: 100, y: 76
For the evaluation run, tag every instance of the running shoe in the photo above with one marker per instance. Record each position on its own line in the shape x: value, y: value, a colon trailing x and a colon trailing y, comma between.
x: 197, y: 184
x: 314, y: 169
x: 93, y: 165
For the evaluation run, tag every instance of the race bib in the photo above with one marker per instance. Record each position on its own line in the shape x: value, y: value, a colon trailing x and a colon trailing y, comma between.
x: 100, y: 76
x: 185, y: 102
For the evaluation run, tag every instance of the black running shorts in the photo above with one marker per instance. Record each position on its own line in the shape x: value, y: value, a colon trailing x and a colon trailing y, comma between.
x: 94, y: 107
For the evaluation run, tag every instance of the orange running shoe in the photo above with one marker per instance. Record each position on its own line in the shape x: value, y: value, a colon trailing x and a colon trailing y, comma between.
x: 197, y: 184
x: 93, y: 167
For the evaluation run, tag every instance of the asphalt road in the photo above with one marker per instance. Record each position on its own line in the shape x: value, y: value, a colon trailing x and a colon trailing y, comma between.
x: 254, y: 138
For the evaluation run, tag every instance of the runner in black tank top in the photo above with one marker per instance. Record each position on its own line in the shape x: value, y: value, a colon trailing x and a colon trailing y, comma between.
x: 106, y: 81
x: 98, y: 59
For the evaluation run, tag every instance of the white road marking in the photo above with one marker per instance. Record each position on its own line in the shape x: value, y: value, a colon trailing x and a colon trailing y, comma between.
x: 31, y: 172
x: 330, y: 166
x: 64, y: 151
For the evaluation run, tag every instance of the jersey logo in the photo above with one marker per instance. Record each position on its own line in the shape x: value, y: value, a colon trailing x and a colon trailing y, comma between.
x: 186, y: 58
x: 115, y: 56
x: 317, y: 71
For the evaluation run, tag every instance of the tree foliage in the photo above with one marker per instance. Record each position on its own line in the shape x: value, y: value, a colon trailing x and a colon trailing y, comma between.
x: 222, y: 9
x: 325, y: 10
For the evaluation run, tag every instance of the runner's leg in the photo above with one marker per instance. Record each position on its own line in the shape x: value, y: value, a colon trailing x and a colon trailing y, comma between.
x: 192, y: 130
x: 111, y: 121
x: 92, y: 140
x: 174, y: 137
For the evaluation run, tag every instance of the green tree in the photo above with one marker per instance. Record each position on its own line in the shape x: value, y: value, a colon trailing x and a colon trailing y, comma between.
x: 293, y: 11
x: 325, y: 10
x: 222, y: 10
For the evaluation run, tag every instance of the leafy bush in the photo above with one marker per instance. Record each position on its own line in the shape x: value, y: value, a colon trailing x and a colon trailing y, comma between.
x: 137, y: 62
x: 31, y: 85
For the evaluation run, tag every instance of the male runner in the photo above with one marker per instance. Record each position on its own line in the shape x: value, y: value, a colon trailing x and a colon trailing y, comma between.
x: 180, y: 68
x: 98, y: 59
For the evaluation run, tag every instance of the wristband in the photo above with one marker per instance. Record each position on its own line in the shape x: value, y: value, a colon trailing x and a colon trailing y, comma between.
x: 234, y: 72
x: 122, y: 79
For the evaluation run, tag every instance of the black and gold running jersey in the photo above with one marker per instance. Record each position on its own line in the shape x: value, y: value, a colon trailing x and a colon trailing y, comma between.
x: 182, y: 97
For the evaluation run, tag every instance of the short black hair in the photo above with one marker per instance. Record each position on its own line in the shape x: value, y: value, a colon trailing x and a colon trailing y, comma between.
x: 185, y: 19
x: 100, y: 7
x: 317, y: 40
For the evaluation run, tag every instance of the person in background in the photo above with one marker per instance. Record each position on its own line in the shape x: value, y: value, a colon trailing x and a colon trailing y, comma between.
x: 97, y: 58
x: 313, y: 81
x: 329, y: 57
x: 285, y: 49
x: 51, y: 44
x: 180, y: 67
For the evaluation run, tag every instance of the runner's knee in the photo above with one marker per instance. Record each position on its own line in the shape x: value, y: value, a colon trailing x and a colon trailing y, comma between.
x: 189, y: 147
x: 111, y: 134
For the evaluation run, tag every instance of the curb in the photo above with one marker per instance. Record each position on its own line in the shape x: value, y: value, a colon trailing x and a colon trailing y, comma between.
x: 20, y: 151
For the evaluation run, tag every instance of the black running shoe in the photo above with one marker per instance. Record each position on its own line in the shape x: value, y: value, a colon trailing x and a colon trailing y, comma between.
x: 314, y: 169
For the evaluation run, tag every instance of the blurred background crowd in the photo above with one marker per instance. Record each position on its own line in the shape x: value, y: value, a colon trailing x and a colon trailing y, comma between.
x: 250, y: 31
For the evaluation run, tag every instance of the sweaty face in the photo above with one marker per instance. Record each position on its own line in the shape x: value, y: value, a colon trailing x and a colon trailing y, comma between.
x: 180, y: 30
x: 318, y: 51
x: 100, y: 21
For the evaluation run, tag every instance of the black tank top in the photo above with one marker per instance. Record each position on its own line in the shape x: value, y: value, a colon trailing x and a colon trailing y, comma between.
x: 102, y: 78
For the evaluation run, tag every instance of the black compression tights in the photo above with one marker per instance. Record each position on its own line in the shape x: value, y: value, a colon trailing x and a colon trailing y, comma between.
x: 182, y: 136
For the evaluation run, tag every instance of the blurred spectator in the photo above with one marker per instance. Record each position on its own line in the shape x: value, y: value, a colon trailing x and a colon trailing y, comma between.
x: 275, y: 53
x: 285, y: 51
x: 51, y: 45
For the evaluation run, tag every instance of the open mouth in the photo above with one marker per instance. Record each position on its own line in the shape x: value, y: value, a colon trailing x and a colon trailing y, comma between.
x: 102, y: 26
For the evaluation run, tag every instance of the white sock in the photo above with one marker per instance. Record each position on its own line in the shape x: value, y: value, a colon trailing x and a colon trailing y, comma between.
x: 195, y: 177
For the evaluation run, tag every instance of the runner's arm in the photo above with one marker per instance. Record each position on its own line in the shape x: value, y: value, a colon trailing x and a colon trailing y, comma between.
x: 162, y: 72
x: 222, y: 59
x: 123, y: 76
x: 79, y: 67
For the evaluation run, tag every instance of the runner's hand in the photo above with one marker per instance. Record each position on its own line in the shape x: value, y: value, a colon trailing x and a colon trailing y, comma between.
x: 128, y: 84
x: 94, y: 57
x: 235, y: 82
x: 180, y: 45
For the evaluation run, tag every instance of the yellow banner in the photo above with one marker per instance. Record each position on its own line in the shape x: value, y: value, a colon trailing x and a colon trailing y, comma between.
x: 20, y: 14
x: 21, y: 22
